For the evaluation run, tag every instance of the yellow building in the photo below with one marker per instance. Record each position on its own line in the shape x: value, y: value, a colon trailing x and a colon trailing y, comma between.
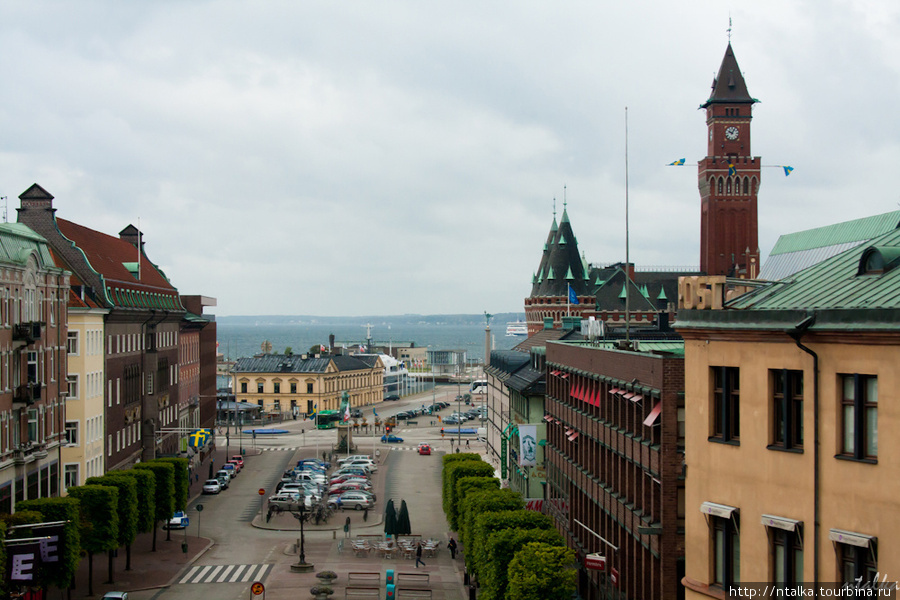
x: 290, y: 384
x: 82, y: 456
x: 787, y: 386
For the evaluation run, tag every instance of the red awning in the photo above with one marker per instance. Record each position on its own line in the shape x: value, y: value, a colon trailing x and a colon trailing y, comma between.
x: 614, y: 391
x: 654, y: 415
x: 564, y: 375
x: 548, y: 418
x: 637, y: 398
x: 595, y: 398
x: 628, y: 396
x: 554, y: 372
x: 573, y: 436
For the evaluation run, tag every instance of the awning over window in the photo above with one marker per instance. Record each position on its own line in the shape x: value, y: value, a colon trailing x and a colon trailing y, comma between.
x: 548, y: 418
x: 718, y: 510
x: 637, y: 398
x: 781, y: 522
x: 651, y: 419
x: 572, y: 436
x: 854, y: 539
x: 614, y: 391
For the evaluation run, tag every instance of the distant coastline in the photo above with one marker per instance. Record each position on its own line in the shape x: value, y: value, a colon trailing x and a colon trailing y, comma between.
x: 242, y: 336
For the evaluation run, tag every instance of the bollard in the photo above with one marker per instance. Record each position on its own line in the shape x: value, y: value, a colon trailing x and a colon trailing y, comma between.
x: 389, y: 576
x: 389, y: 592
x: 333, y: 534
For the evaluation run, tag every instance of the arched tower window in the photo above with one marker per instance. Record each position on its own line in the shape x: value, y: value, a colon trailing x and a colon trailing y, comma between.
x: 746, y: 185
x: 728, y: 187
x: 719, y: 187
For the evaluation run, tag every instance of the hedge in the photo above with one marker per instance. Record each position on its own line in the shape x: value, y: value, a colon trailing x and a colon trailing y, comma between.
x: 542, y: 572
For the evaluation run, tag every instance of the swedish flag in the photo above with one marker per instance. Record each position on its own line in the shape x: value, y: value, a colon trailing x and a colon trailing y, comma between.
x: 677, y: 163
x: 732, y: 170
x: 787, y: 170
x: 312, y: 415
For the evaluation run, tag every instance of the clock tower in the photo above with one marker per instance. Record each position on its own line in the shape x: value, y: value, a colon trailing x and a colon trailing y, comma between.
x: 729, y: 178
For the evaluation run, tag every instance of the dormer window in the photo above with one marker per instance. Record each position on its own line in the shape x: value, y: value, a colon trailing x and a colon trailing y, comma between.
x: 878, y: 260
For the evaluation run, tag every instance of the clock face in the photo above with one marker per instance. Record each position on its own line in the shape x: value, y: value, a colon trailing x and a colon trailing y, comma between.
x: 732, y: 133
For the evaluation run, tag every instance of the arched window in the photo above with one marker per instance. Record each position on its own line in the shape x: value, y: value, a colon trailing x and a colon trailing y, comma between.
x: 728, y: 187
x: 746, y: 185
x: 719, y: 187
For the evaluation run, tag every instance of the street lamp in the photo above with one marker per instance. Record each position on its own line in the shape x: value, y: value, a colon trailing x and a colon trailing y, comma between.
x: 301, y: 515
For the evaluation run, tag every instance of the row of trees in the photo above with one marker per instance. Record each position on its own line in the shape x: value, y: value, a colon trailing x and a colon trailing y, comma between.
x: 514, y: 554
x: 104, y: 514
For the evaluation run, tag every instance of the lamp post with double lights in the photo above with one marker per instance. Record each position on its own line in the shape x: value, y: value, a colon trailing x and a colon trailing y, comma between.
x: 300, y: 513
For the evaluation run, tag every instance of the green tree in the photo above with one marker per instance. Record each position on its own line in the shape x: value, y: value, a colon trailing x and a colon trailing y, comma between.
x: 126, y: 508
x: 482, y: 502
x: 477, y: 553
x: 541, y: 572
x: 501, y: 548
x: 67, y: 510
x: 164, y: 497
x: 145, y: 489
x: 454, y: 470
x: 99, y: 522
x: 181, y: 483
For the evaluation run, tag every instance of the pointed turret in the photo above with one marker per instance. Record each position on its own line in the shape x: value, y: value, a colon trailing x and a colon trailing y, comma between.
x: 729, y: 86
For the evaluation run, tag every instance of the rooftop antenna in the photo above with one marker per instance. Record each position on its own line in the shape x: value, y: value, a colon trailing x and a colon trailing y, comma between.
x: 729, y: 28
x: 3, y: 199
x: 564, y: 197
x: 554, y: 208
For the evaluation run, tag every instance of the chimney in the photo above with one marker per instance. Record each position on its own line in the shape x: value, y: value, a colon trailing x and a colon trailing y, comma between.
x: 131, y: 234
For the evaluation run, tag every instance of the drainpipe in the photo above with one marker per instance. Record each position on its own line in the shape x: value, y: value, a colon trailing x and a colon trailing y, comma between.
x: 800, y: 329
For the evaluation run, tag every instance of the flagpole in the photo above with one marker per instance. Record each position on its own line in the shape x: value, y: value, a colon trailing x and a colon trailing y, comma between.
x: 627, y: 256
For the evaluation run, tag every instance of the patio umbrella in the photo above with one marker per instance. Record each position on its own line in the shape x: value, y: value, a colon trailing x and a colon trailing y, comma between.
x: 390, y: 519
x: 403, y: 526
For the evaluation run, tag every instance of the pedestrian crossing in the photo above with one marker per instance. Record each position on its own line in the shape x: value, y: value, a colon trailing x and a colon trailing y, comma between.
x: 226, y: 573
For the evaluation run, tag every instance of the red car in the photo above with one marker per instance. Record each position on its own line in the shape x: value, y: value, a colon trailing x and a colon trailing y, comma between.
x: 238, y: 459
x: 424, y: 449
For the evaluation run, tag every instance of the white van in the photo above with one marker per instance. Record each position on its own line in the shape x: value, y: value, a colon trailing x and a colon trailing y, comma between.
x: 342, y: 461
x: 366, y: 463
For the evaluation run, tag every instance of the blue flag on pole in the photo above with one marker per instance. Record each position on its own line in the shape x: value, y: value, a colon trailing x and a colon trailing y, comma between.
x: 677, y: 163
x: 312, y: 415
x: 732, y: 170
x: 573, y: 299
x: 787, y: 170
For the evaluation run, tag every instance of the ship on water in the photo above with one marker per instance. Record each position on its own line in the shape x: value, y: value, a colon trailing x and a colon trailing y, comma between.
x: 518, y: 328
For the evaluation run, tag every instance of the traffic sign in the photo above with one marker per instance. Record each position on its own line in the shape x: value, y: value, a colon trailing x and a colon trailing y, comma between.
x: 257, y: 588
x: 262, y: 492
x: 199, y: 508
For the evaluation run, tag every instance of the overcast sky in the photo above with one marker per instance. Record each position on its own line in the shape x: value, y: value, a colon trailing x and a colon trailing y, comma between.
x: 354, y: 158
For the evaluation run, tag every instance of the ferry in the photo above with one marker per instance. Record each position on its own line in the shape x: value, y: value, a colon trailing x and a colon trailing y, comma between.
x: 517, y: 328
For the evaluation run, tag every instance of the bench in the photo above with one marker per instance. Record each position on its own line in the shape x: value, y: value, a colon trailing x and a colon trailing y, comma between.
x: 413, y: 577
x: 413, y: 593
x: 376, y: 577
x: 362, y: 592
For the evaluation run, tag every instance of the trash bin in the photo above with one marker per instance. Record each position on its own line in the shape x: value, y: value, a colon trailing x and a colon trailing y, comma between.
x: 389, y: 576
x: 389, y: 592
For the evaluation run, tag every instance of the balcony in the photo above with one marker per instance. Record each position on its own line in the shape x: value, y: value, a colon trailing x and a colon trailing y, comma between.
x: 28, y: 393
x: 28, y: 332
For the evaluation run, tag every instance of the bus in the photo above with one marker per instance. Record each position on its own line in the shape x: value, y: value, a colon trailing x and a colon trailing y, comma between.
x: 479, y: 386
x: 328, y: 419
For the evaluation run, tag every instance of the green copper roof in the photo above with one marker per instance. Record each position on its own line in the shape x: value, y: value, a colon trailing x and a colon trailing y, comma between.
x: 569, y: 275
x: 839, y: 283
x: 839, y: 233
x: 662, y: 294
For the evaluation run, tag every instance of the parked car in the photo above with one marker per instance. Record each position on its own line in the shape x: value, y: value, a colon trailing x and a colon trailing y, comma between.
x: 289, y: 500
x: 115, y: 596
x: 237, y: 459
x: 223, y: 478
x: 348, y: 470
x: 355, y: 500
x: 212, y: 486
x: 347, y: 486
x: 451, y: 421
x: 424, y: 449
x: 341, y: 461
x: 232, y: 470
x: 392, y: 397
x: 178, y: 521
x: 391, y: 439
x: 348, y: 478
x: 366, y: 463
x: 356, y: 413
x: 237, y: 465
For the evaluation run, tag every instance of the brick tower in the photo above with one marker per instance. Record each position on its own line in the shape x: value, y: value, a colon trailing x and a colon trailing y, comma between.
x: 729, y: 178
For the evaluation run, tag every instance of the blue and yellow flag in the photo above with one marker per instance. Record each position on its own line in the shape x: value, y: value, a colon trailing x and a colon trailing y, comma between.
x: 677, y: 163
x: 198, y: 437
x: 732, y: 171
x: 787, y: 170
x: 312, y: 415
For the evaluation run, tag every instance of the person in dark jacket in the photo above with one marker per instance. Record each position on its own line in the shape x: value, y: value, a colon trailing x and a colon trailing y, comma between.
x: 451, y: 546
x: 419, y: 555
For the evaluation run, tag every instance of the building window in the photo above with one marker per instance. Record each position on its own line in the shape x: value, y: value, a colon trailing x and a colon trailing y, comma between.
x: 726, y: 550
x: 277, y: 387
x: 293, y: 388
x: 72, y: 343
x: 243, y: 387
x: 859, y: 415
x: 309, y: 388
x: 72, y: 383
x: 70, y: 476
x: 858, y: 564
x: 726, y: 404
x: 787, y: 556
x: 72, y: 433
x: 787, y: 408
x: 259, y: 388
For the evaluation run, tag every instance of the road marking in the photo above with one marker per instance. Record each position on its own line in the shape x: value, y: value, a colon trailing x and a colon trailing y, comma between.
x: 291, y: 449
x: 226, y: 573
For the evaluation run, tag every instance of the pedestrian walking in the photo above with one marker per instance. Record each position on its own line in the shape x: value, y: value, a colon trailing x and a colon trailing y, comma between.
x: 451, y: 546
x: 467, y: 444
x: 366, y: 513
x: 419, y: 555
